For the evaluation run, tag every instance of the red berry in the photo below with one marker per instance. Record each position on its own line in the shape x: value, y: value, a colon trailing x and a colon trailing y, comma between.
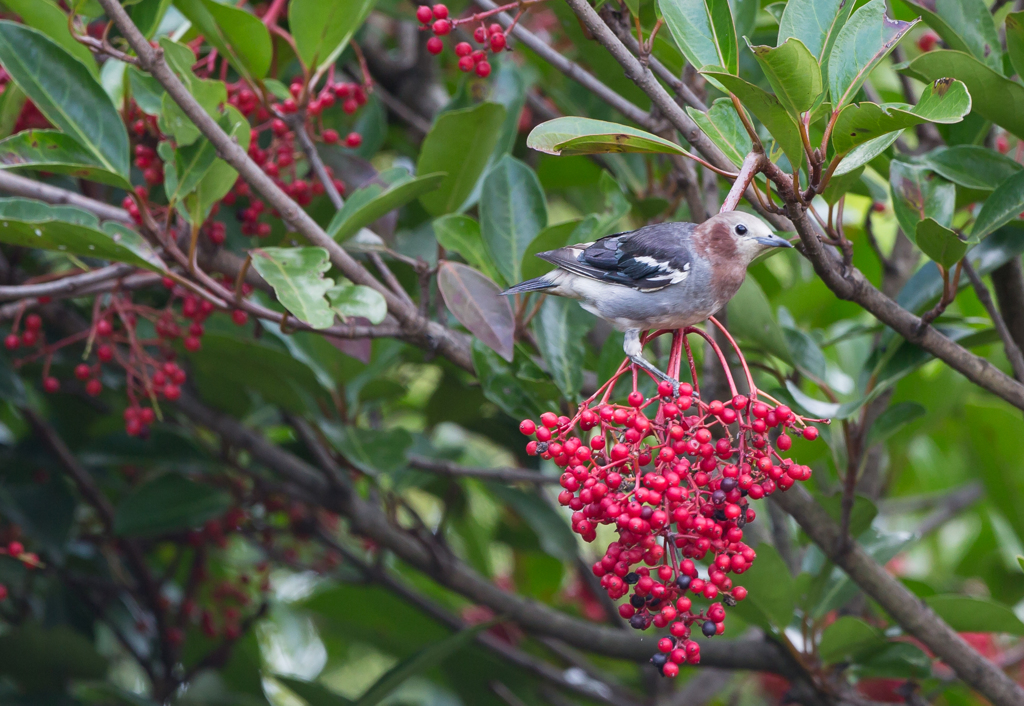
x: 495, y: 28
x: 239, y: 317
x: 440, y: 11
x: 810, y: 433
x: 739, y: 593
x: 635, y: 398
x: 784, y: 442
x: 11, y: 341
x: 441, y: 27
x: 670, y: 670
x: 172, y: 392
x: 1003, y: 144
x: 878, y: 207
x: 480, y: 34
x: 927, y: 41
x: 192, y: 344
x: 434, y: 46
x: 94, y: 387
x: 463, y: 49
x: 104, y: 328
x: 15, y: 549
x: 466, y: 64
x: 105, y: 353
x: 289, y: 105
x: 527, y: 427
x: 33, y: 322
x: 51, y: 385
x: 423, y: 14
x: 497, y: 42
x: 83, y: 371
x: 353, y: 140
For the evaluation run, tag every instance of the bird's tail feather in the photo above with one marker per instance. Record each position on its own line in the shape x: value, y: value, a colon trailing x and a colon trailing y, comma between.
x: 531, y: 285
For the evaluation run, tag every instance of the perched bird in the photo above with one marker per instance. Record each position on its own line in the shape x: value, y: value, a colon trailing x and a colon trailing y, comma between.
x: 667, y: 275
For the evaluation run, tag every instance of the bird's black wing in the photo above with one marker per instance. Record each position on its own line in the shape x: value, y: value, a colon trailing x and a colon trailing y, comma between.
x: 647, y: 259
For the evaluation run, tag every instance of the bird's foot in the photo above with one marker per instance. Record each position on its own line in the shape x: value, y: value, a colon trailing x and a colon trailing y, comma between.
x: 642, y: 362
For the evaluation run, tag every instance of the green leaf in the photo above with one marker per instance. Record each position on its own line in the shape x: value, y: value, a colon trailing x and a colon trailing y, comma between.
x: 11, y: 386
x: 551, y: 527
x: 965, y: 614
x: 148, y: 14
x: 313, y: 693
x: 56, y: 152
x: 66, y: 93
x: 859, y: 156
x: 146, y: 90
x: 861, y: 44
x: 994, y: 96
x: 459, y: 144
x: 512, y: 213
x: 39, y: 658
x: 560, y: 328
x: 964, y: 25
x: 892, y: 421
x: 238, y: 35
x: 847, y: 639
x: 1015, y: 41
x: 573, y: 136
x: 12, y: 102
x: 703, y: 31
x: 793, y: 73
x: 751, y: 318
x: 461, y: 234
x: 349, y: 299
x: 816, y: 23
x: 211, y: 95
x: 896, y: 660
x: 972, y: 166
x: 768, y: 110
x: 33, y: 224
x: 943, y: 101
x: 1003, y: 206
x: 371, y: 202
x: 805, y: 352
x: 323, y: 28
x: 168, y: 504
x: 771, y: 596
x: 477, y: 303
x: 1020, y: 561
x: 372, y: 451
x: 722, y: 124
x: 49, y: 19
x: 191, y: 164
x: 296, y: 274
x: 551, y: 238
x: 940, y: 243
x: 423, y: 660
x: 919, y: 193
x: 220, y: 178
x: 840, y: 184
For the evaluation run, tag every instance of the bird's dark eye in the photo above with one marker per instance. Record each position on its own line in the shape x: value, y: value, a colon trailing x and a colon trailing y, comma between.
x: 741, y: 229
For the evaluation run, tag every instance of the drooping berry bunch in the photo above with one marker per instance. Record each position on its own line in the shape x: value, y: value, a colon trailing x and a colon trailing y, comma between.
x: 674, y: 476
x: 493, y: 38
x: 114, y: 339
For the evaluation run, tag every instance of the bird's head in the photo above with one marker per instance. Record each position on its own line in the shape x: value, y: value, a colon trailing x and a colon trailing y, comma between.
x: 748, y: 234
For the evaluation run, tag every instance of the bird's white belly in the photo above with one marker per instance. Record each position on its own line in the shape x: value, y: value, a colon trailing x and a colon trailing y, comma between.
x: 627, y: 308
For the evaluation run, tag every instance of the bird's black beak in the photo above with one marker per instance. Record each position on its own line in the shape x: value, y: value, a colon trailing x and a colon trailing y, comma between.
x: 774, y: 241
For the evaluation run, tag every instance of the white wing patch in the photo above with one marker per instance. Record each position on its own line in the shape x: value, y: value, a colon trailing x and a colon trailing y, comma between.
x: 670, y: 273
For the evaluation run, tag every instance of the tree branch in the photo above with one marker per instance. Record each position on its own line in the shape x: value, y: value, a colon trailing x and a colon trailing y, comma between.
x: 1009, y: 345
x: 1008, y: 283
x: 500, y: 475
x: 905, y: 608
x: 417, y: 329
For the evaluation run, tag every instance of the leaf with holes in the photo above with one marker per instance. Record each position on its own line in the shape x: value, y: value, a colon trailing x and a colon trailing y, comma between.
x: 867, y: 38
x: 56, y: 152
x: 33, y: 224
x: 943, y: 101
x: 995, y: 97
x: 572, y: 136
x: 297, y: 276
x: 478, y: 304
x: 349, y: 299
x: 919, y: 193
x: 939, y: 243
x: 66, y: 93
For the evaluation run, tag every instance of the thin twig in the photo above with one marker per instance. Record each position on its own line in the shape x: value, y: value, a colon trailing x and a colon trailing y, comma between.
x: 1013, y: 352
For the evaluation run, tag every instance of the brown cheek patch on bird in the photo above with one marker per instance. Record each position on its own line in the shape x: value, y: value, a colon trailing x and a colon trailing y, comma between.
x: 715, y: 243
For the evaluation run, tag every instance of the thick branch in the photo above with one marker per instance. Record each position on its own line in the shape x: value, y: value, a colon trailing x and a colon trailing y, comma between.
x: 501, y: 475
x: 1008, y: 283
x: 65, y: 286
x: 423, y: 332
x: 367, y: 520
x: 906, y: 609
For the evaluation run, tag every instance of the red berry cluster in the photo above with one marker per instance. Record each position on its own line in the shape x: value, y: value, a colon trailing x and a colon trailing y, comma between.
x: 113, y: 338
x: 16, y: 550
x: 493, y: 38
x: 677, y: 490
